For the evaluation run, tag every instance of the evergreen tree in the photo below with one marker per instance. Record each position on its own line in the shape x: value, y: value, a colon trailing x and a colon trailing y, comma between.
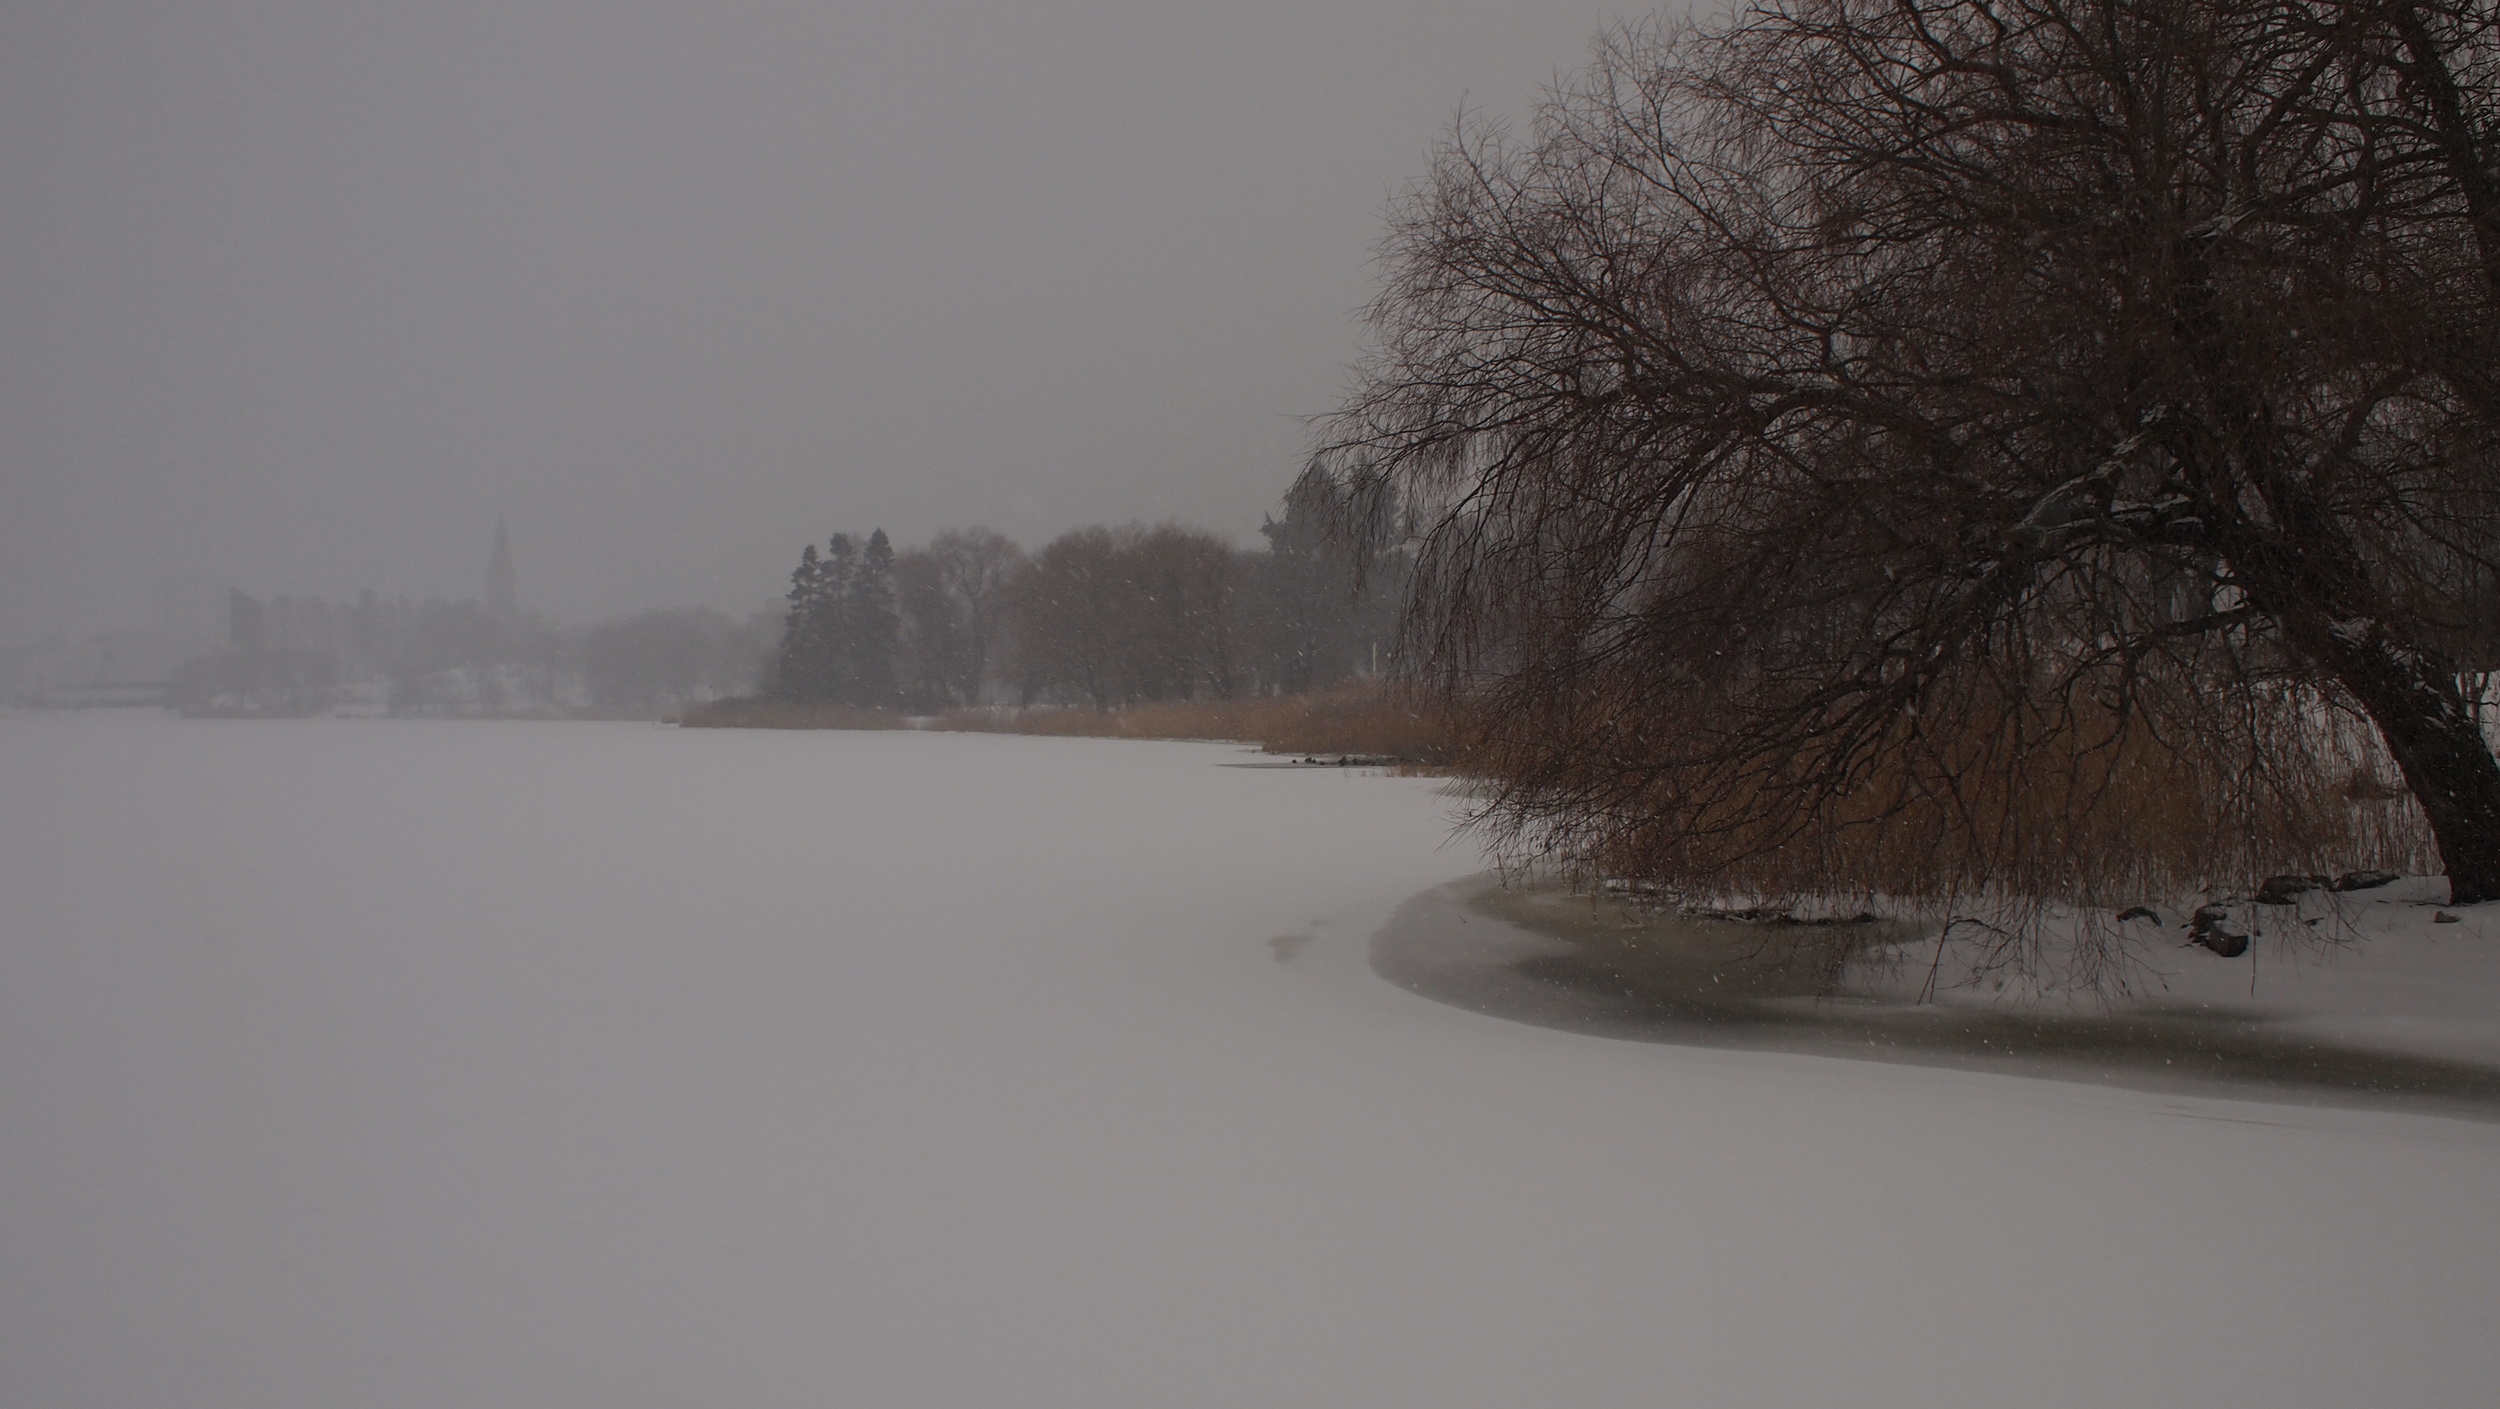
x: 820, y: 644
x: 794, y: 674
x: 832, y: 639
x: 874, y: 622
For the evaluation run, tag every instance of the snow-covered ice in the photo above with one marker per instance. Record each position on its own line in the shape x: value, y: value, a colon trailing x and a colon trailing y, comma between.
x: 385, y: 1063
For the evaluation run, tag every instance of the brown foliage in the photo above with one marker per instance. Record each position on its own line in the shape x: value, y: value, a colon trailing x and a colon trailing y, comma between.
x: 1994, y: 803
x: 1362, y: 719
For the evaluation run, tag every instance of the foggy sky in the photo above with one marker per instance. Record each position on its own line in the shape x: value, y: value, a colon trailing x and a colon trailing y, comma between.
x: 300, y: 296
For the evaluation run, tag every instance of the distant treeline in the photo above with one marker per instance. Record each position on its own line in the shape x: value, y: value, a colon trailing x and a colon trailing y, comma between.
x: 1106, y: 617
x: 1101, y: 617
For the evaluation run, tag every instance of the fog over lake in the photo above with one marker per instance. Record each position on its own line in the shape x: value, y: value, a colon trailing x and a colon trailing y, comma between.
x: 300, y: 297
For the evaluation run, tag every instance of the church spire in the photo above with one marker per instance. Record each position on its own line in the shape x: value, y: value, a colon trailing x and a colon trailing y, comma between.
x: 499, y: 593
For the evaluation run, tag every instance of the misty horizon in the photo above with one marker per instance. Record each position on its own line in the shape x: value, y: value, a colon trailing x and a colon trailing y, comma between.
x: 303, y: 298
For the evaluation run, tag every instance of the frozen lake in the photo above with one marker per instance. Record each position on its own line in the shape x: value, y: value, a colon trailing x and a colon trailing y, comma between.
x: 383, y: 1063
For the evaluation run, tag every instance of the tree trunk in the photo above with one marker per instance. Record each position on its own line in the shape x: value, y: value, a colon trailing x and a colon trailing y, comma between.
x: 2309, y: 577
x: 2430, y: 727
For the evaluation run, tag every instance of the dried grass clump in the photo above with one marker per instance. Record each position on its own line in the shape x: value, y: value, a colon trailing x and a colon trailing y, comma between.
x: 784, y: 714
x: 2004, y: 807
x: 1364, y: 718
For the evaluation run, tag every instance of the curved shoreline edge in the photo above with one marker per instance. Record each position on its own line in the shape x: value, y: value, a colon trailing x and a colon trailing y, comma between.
x: 1460, y: 945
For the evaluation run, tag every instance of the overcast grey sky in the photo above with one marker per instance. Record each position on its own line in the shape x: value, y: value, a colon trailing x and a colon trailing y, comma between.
x: 301, y: 294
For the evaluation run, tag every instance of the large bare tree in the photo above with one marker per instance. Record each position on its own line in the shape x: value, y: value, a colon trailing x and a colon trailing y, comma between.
x: 1914, y: 416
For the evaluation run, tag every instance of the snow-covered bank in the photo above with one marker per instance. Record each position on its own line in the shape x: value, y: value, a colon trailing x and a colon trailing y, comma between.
x: 395, y: 1063
x: 2398, y: 1011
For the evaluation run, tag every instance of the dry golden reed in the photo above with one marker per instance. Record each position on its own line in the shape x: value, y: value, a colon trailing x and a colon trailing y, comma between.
x: 782, y: 714
x: 2077, y: 807
x: 1364, y: 718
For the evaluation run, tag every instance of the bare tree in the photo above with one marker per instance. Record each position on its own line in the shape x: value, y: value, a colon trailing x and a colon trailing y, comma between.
x: 1119, y: 616
x: 953, y: 593
x: 1896, y: 428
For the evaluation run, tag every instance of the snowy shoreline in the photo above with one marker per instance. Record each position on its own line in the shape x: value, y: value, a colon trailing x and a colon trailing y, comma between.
x: 2382, y: 1021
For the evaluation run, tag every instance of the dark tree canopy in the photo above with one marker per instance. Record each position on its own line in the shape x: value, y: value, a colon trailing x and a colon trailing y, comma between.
x: 953, y: 597
x: 1101, y: 616
x: 1883, y: 428
x: 840, y: 634
x: 1121, y: 616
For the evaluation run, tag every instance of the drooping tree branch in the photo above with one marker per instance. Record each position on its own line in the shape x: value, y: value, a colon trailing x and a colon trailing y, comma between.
x: 1900, y: 413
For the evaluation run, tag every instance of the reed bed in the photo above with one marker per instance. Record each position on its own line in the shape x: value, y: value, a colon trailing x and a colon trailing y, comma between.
x: 2019, y: 829
x: 1364, y: 719
x: 783, y: 714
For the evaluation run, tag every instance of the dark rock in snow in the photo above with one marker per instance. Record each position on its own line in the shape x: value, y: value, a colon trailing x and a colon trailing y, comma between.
x: 2287, y: 890
x: 2230, y: 944
x: 2139, y: 912
x: 2210, y: 927
x: 2442, y: 917
x: 2365, y: 880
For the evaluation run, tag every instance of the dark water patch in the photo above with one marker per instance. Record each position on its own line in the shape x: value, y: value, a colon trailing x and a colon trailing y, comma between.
x: 1570, y: 964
